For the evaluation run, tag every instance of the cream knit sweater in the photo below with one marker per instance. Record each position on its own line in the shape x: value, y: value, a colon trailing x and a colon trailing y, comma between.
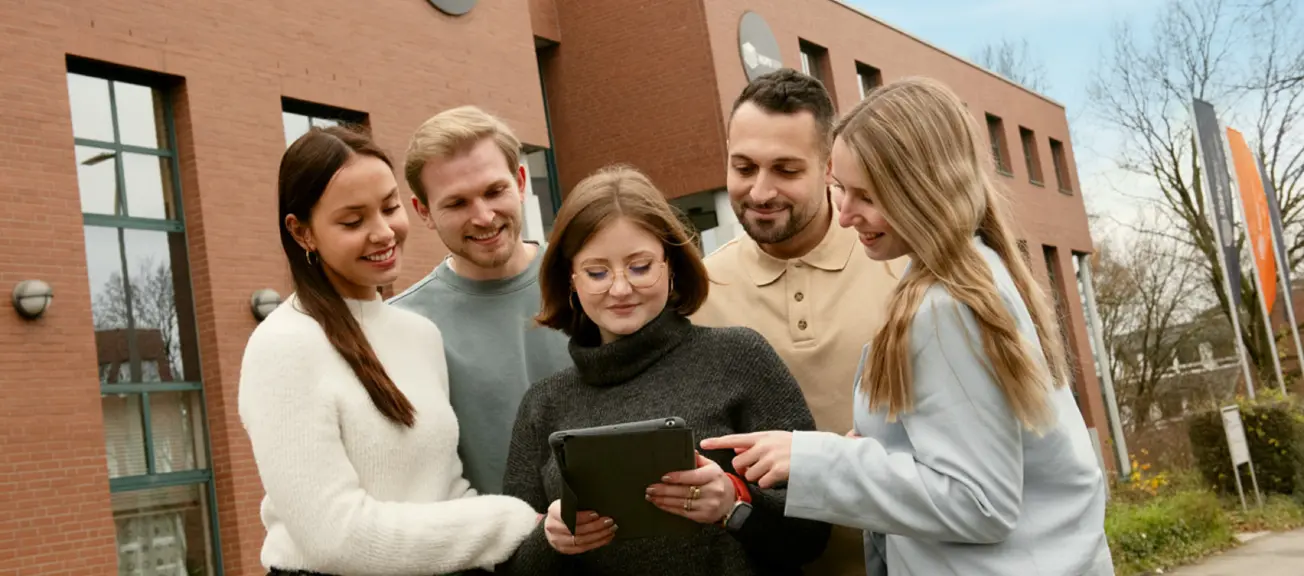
x: 347, y: 491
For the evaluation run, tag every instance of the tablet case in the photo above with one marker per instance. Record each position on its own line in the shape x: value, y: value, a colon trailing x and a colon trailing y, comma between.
x: 607, y: 469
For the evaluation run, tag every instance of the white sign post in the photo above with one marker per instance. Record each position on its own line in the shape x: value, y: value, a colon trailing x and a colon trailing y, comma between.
x: 1240, y: 451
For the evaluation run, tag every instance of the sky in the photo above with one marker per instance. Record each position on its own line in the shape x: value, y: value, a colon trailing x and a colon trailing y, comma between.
x: 1070, y: 38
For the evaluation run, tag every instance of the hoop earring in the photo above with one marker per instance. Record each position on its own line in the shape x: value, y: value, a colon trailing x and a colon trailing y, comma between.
x: 308, y: 255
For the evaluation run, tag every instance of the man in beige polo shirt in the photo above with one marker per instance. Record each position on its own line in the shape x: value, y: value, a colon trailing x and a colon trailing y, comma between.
x: 797, y: 277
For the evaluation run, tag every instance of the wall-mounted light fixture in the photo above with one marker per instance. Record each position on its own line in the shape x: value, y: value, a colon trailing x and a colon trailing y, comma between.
x: 31, y: 298
x: 263, y: 302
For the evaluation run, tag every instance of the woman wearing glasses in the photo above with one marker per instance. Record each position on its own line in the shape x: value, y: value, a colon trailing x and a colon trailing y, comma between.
x: 620, y: 276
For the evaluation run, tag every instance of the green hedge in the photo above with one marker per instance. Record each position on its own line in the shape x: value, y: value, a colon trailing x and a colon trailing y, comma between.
x: 1274, y: 429
x: 1166, y: 531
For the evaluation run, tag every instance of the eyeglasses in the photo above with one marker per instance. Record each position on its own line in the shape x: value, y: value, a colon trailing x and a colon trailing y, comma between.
x: 598, y: 279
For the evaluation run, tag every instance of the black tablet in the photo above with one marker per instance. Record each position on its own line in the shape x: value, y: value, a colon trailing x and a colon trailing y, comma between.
x: 607, y: 469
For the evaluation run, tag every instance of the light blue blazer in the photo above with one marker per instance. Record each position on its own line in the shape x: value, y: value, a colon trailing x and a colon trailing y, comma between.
x: 958, y: 485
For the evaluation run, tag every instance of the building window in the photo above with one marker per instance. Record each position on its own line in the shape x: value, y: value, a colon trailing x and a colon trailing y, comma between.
x: 701, y: 212
x: 1051, y: 255
x: 298, y: 116
x: 1030, y: 157
x: 868, y: 77
x: 1061, y: 166
x: 815, y: 63
x: 543, y: 184
x: 143, y: 314
x: 996, y: 133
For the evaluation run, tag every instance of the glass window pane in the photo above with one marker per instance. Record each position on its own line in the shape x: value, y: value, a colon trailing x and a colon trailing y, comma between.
x: 108, y: 303
x: 325, y: 122
x: 139, y: 115
x: 141, y: 339
x: 124, y: 434
x: 153, y: 283
x: 149, y: 186
x: 97, y: 180
x: 91, y: 113
x: 163, y: 531
x: 296, y: 125
x: 174, y: 417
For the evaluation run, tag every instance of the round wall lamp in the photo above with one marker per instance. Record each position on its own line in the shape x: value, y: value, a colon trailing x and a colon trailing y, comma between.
x: 263, y: 302
x: 32, y: 298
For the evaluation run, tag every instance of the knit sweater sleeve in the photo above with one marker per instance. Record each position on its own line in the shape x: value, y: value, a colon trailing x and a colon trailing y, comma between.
x: 772, y: 400
x: 526, y: 457
x: 293, y: 424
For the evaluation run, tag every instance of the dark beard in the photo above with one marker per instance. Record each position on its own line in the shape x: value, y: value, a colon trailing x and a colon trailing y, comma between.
x: 772, y: 234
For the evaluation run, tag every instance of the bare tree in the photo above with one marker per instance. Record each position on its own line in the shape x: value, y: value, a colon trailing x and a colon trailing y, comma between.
x: 1234, y: 56
x: 153, y: 311
x: 1015, y: 62
x: 1143, y: 297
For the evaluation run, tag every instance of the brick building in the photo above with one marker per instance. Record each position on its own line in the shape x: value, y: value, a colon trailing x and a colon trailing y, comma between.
x: 138, y: 174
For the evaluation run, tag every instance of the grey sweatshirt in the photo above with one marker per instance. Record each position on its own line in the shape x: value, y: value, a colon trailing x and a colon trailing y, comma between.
x: 494, y: 351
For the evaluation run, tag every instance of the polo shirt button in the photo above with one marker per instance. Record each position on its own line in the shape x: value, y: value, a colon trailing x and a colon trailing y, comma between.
x: 801, y: 324
x: 798, y: 296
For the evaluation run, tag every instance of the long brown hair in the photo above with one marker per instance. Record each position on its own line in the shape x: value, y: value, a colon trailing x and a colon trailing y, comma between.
x: 614, y: 192
x: 307, y: 167
x: 921, y: 151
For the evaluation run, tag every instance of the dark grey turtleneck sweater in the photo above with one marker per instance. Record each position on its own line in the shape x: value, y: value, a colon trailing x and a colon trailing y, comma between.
x: 721, y: 381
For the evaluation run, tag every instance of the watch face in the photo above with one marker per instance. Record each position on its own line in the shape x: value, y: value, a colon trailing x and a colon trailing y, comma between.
x: 739, y: 516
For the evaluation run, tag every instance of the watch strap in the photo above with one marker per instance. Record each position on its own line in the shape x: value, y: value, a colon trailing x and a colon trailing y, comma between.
x: 741, y: 492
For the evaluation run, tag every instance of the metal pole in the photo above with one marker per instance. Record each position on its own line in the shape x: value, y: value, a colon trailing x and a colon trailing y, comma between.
x: 1258, y: 498
x: 1290, y: 314
x: 1267, y: 323
x: 1102, y: 365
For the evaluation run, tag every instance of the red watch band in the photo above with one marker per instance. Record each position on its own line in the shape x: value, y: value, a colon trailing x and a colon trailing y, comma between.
x: 740, y: 488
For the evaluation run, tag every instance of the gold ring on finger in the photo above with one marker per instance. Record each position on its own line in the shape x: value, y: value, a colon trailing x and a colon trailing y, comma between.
x: 694, y: 492
x: 688, y: 505
x: 574, y: 543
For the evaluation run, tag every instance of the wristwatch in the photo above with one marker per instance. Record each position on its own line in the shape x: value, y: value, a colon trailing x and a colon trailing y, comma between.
x: 737, y: 516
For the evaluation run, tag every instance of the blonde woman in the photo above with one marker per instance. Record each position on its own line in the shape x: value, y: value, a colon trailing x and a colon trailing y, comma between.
x: 972, y: 456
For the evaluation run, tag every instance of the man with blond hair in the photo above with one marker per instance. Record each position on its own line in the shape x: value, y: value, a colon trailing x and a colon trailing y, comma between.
x: 463, y: 166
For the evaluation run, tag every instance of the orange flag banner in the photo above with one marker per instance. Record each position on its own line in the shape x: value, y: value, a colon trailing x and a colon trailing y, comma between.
x: 1258, y: 222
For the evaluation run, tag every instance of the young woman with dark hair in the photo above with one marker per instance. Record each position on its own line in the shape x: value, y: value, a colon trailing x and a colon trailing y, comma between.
x: 345, y: 399
x: 620, y: 277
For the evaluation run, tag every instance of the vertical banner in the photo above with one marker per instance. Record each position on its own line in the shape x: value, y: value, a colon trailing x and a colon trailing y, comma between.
x: 1278, y: 235
x: 1283, y: 262
x: 1258, y: 226
x: 1258, y: 222
x: 1217, y: 180
x: 1218, y: 190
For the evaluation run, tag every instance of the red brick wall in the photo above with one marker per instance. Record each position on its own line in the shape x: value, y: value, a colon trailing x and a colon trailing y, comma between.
x: 235, y: 59
x: 543, y: 20
x: 633, y: 83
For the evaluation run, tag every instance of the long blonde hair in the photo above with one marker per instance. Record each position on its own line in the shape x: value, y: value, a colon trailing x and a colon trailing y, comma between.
x: 922, y: 152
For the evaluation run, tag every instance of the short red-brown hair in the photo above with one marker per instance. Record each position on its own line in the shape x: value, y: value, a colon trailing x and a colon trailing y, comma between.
x: 610, y: 193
